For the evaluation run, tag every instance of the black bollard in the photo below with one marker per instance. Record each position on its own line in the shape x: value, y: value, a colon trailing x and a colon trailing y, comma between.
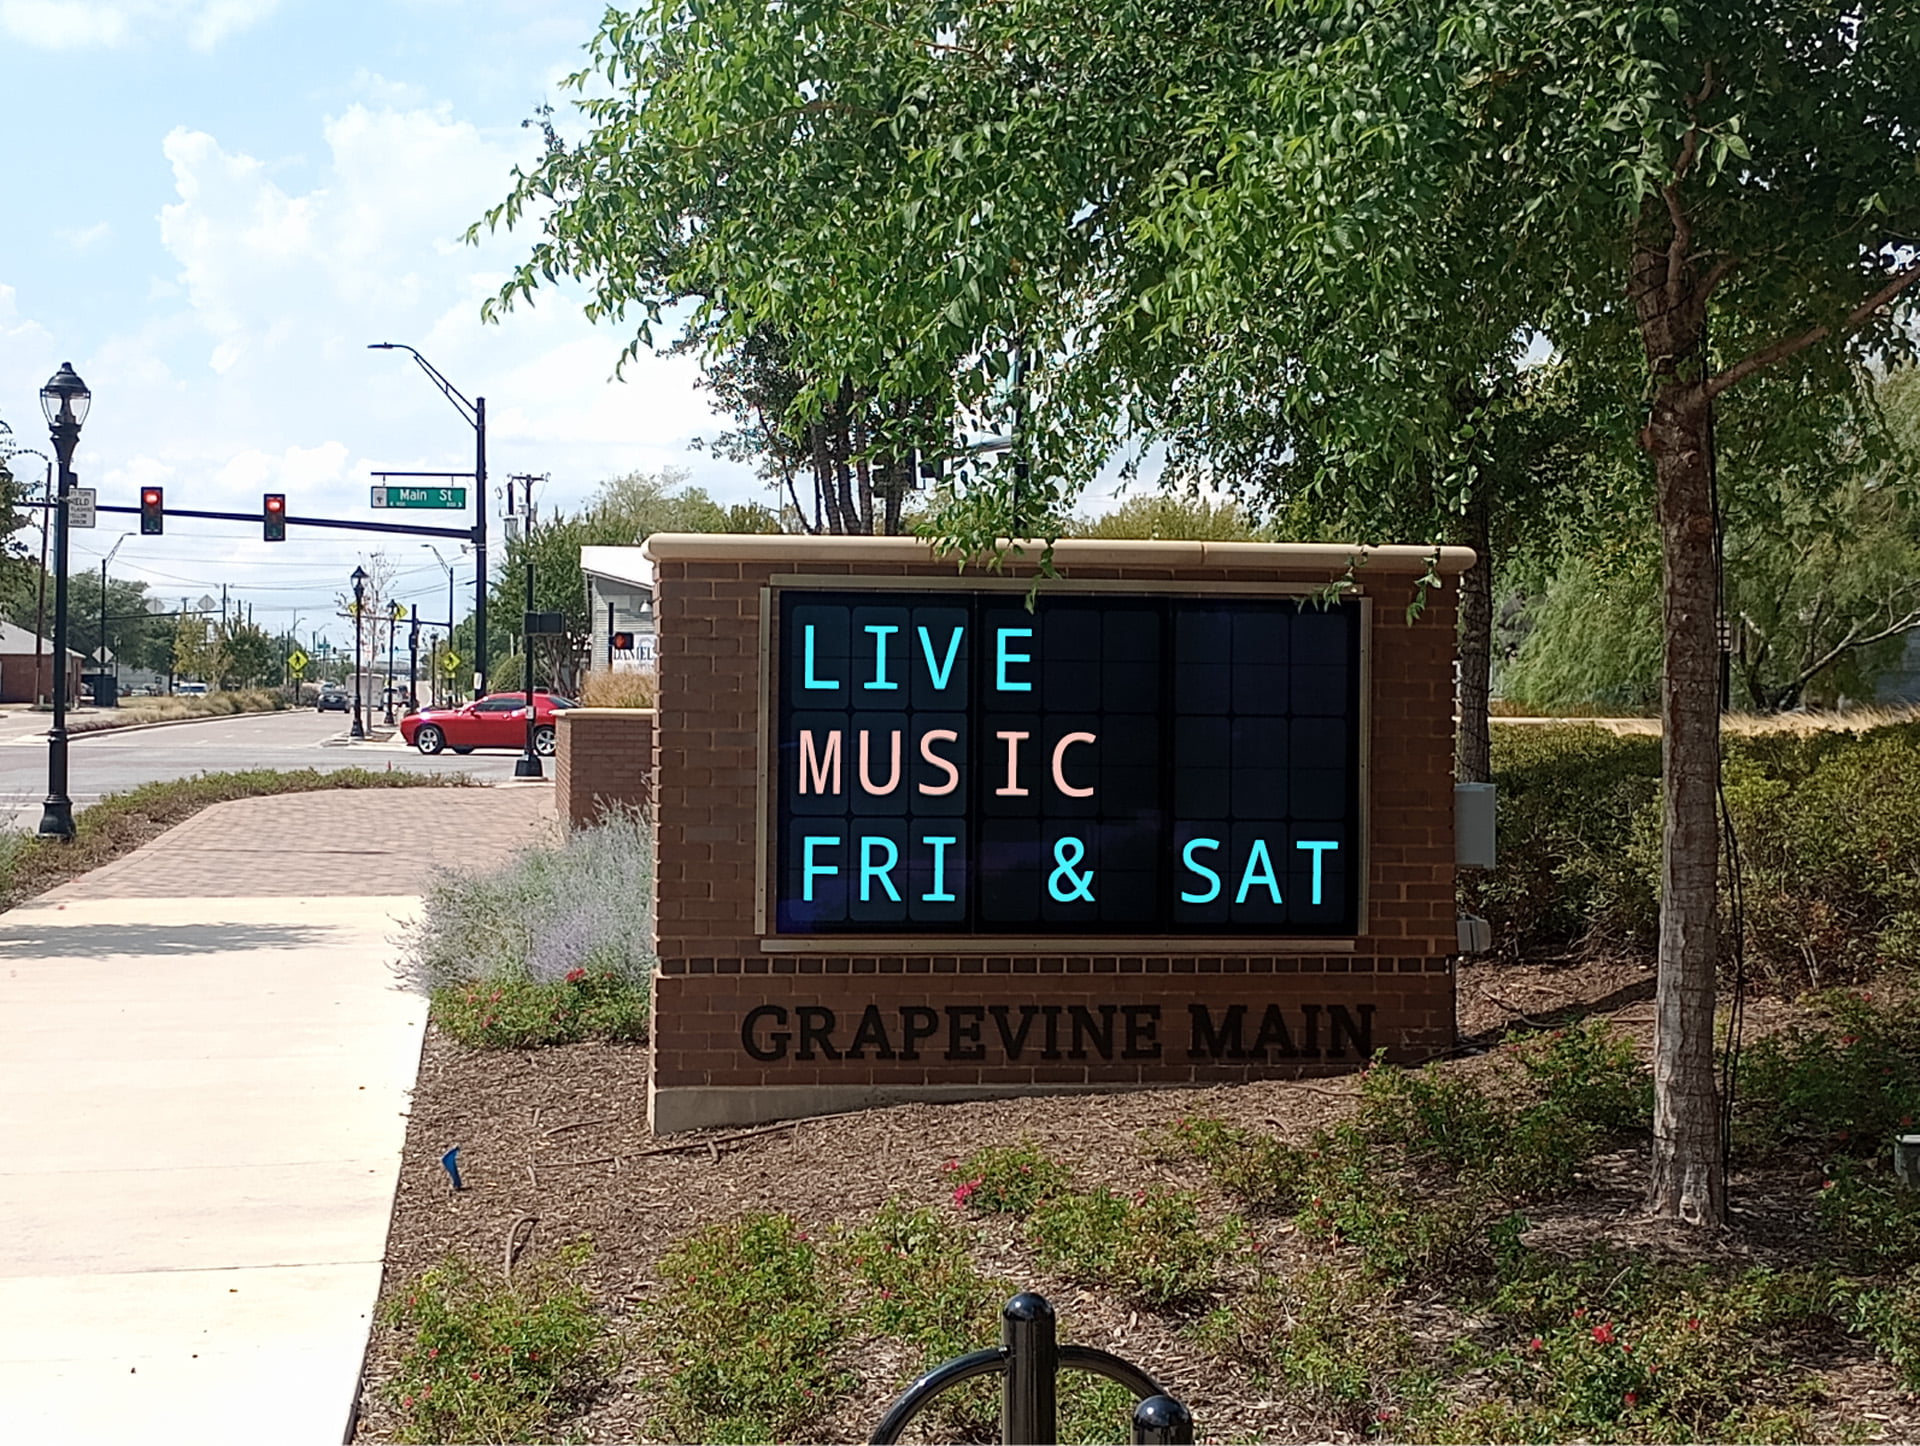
x: 1029, y: 1413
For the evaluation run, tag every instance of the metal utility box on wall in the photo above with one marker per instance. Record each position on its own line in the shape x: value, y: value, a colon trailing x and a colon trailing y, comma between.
x: 1473, y: 825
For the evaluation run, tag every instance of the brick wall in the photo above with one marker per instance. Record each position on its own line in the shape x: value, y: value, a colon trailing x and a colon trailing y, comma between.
x: 853, y: 1003
x: 602, y: 756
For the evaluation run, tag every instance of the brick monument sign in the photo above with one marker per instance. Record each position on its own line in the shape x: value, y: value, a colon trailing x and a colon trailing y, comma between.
x: 1188, y: 818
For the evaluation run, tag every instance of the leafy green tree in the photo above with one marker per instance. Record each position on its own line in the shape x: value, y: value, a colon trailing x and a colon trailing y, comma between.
x: 1169, y: 516
x: 1378, y: 193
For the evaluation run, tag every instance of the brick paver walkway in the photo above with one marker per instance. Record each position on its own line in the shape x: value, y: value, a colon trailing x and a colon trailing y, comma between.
x: 340, y: 842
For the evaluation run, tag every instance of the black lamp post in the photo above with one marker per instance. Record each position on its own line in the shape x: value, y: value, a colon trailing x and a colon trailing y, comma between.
x: 393, y: 622
x: 65, y: 400
x: 475, y: 412
x: 359, y: 729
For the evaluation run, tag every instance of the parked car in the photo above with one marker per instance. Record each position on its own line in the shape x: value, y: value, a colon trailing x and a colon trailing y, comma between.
x: 332, y: 700
x: 190, y: 690
x: 496, y: 721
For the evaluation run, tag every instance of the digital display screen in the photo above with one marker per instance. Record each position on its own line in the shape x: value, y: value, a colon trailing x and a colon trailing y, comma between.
x: 1119, y: 764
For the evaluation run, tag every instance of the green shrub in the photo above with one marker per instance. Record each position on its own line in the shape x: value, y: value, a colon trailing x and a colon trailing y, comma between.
x: 515, y: 1012
x: 746, y: 1330
x: 1842, y: 1079
x: 1444, y: 1120
x: 1006, y: 1179
x: 1870, y: 1222
x: 1579, y: 843
x: 914, y: 1280
x: 1829, y: 830
x: 1830, y: 836
x: 1151, y: 1248
x: 1590, y: 1073
x: 1262, y: 1173
x: 1327, y: 1336
x: 492, y: 1361
x: 1889, y: 1317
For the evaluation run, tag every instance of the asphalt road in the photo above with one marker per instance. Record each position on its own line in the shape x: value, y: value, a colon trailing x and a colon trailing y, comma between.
x: 100, y: 763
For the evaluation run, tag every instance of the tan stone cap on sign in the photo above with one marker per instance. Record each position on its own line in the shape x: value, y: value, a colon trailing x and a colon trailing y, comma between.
x: 1328, y: 558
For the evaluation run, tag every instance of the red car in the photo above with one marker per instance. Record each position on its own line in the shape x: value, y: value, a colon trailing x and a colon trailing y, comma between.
x: 496, y: 721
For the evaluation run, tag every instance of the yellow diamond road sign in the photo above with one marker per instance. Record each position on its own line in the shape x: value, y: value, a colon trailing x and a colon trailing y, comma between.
x: 297, y: 660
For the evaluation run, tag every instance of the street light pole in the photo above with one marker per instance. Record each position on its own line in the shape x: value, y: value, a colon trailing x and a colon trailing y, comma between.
x: 393, y: 624
x: 358, y: 730
x: 40, y: 602
x: 65, y: 400
x: 112, y: 552
x: 475, y: 412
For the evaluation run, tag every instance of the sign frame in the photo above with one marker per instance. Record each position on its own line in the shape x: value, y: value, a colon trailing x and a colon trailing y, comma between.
x: 764, y: 924
x: 386, y: 495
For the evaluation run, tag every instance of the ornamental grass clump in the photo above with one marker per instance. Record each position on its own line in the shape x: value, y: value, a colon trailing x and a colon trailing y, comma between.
x: 552, y: 947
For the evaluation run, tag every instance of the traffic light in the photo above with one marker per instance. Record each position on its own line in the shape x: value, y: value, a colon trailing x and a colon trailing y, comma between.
x: 273, y: 517
x: 623, y: 642
x: 153, y: 511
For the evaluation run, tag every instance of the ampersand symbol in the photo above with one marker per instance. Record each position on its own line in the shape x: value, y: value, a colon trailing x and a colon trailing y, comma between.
x: 1077, y: 886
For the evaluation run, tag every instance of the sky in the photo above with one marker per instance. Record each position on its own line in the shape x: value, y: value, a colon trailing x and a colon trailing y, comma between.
x: 211, y: 207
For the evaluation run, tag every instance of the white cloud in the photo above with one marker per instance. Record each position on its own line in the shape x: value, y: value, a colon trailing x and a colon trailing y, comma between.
x: 85, y: 238
x: 81, y: 24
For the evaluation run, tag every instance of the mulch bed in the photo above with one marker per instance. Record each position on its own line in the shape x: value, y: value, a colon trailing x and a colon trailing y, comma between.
x: 560, y: 1135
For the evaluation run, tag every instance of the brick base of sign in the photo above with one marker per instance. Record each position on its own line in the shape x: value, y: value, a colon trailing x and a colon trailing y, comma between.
x: 738, y: 1048
x: 759, y: 1015
x: 603, y: 757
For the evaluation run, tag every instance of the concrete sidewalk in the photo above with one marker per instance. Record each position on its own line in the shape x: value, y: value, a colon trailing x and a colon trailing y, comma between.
x: 205, y: 1095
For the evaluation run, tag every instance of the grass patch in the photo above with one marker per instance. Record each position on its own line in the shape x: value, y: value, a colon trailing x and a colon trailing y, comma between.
x: 121, y: 822
x: 179, y: 709
x: 491, y: 1360
x: 552, y: 947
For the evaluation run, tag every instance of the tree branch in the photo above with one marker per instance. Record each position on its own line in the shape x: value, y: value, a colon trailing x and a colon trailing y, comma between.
x: 1780, y: 350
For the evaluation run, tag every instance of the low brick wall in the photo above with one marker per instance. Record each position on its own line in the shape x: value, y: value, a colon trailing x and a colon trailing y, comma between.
x: 603, y: 757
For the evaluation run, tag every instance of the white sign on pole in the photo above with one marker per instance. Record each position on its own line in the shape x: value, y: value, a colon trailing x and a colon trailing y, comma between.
x: 80, y: 504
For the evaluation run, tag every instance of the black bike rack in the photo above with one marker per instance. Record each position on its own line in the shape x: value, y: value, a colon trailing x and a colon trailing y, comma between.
x: 1028, y: 1361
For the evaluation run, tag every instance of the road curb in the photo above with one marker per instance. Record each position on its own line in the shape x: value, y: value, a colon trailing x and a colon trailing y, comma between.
x: 173, y: 722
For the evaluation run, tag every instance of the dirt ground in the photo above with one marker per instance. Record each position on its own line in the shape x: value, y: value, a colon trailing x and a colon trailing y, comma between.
x: 560, y: 1135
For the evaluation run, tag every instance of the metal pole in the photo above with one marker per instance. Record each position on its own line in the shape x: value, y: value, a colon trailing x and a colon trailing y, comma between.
x: 56, y: 814
x: 528, y: 766
x: 393, y: 626
x: 449, y: 622
x: 413, y: 662
x: 480, y: 548
x: 1028, y: 1391
x: 1162, y: 1421
x: 358, y: 730
x: 40, y: 605
x: 609, y: 637
x: 103, y: 617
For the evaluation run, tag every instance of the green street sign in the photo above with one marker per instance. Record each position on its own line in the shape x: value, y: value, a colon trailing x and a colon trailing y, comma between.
x: 442, y: 497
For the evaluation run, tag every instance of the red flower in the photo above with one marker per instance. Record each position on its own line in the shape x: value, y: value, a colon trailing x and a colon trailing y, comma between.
x: 1604, y: 1334
x: 1693, y: 1322
x: 1632, y: 1399
x: 473, y: 1375
x: 432, y: 1351
x: 406, y: 1400
x: 1580, y: 1314
x: 574, y: 976
x: 1535, y: 1344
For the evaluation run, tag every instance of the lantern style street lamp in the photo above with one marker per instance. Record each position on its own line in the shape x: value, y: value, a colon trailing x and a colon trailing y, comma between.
x: 359, y: 729
x: 65, y: 400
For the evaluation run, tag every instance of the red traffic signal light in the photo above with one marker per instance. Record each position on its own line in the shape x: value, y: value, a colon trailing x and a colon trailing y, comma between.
x: 153, y: 511
x: 273, y: 517
x: 623, y: 642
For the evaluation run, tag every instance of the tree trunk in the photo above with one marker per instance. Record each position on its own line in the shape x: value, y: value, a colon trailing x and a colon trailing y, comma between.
x: 1688, y: 1179
x: 1473, y: 743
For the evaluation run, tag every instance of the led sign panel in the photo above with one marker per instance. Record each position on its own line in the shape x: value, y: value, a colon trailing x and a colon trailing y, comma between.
x: 1106, y: 764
